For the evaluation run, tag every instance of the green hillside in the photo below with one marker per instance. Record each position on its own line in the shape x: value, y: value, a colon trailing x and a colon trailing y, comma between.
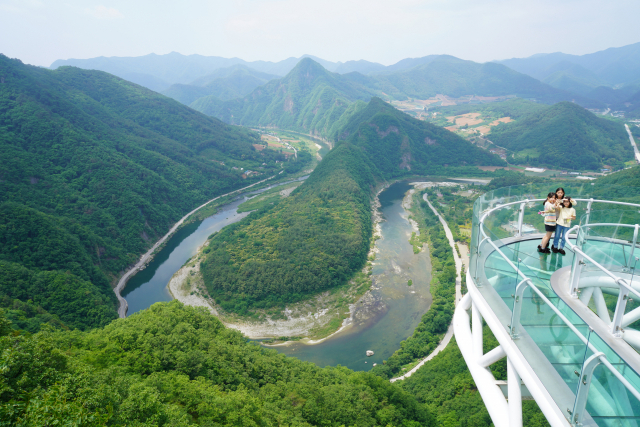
x: 308, y: 99
x: 319, y: 236
x: 564, y: 135
x: 93, y: 170
x: 571, y: 77
x: 224, y: 84
x: 397, y: 143
x: 311, y: 99
x: 622, y: 185
x: 179, y: 366
x: 456, y: 77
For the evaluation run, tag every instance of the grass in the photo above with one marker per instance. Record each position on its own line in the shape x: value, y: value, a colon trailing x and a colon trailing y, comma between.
x: 271, y: 196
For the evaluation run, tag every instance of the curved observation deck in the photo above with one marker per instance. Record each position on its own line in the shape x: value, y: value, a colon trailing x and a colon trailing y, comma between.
x: 568, y: 325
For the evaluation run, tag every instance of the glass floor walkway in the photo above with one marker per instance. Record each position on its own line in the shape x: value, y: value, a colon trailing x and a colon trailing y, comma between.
x: 553, y: 348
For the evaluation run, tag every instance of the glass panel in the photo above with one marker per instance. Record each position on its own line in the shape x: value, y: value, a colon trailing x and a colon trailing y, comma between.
x: 556, y: 343
x: 609, y: 402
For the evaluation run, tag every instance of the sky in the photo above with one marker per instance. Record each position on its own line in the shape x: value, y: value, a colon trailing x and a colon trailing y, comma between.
x: 41, y: 31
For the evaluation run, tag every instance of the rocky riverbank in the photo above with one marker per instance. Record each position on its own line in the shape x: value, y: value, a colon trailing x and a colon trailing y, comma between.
x: 316, y: 319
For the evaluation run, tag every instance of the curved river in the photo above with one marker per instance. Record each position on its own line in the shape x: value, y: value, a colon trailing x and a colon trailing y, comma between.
x: 150, y: 285
x: 391, y: 317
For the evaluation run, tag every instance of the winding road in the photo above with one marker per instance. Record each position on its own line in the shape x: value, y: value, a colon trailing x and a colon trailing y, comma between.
x: 122, y: 303
x: 633, y: 144
x: 458, y: 261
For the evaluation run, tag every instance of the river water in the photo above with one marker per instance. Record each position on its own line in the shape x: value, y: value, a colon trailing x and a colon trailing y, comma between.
x: 391, y: 318
x: 150, y: 285
x: 398, y: 308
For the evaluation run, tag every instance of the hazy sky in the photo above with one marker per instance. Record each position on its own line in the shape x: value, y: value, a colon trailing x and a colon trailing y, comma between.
x: 41, y: 31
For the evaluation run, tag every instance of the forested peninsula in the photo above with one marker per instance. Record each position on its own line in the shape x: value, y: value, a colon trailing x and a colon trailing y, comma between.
x: 317, y: 238
x: 94, y: 170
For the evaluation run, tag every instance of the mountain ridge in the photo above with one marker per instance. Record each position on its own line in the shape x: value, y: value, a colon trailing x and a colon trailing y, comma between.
x: 94, y: 169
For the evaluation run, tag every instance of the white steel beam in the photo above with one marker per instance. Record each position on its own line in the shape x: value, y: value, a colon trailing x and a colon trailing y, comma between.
x: 547, y: 405
x: 515, y: 396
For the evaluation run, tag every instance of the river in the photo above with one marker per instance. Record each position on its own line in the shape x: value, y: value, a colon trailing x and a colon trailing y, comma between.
x: 392, y: 317
x: 398, y: 307
x: 150, y: 285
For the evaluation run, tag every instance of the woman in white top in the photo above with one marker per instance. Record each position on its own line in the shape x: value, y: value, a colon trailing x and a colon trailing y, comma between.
x: 563, y: 223
x: 549, y: 214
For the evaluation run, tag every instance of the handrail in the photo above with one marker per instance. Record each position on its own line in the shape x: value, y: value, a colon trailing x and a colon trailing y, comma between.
x: 575, y: 249
x: 566, y: 321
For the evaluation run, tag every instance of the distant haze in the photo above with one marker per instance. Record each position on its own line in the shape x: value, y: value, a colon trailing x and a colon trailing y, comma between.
x: 39, y: 32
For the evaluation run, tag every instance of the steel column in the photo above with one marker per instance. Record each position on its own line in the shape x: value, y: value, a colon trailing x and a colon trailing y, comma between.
x: 476, y: 331
x: 515, y: 396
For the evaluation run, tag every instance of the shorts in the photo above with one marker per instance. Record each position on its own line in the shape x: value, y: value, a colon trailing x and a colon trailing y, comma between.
x: 549, y: 227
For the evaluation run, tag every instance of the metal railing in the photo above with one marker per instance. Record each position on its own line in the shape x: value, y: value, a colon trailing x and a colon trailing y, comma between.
x: 625, y: 287
x: 598, y: 357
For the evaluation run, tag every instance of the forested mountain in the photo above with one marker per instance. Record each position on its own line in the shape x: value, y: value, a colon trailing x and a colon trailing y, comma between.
x: 179, y: 366
x: 159, y: 72
x: 93, y: 170
x: 633, y: 105
x: 308, y: 99
x: 316, y: 238
x: 572, y: 77
x: 397, y: 143
x: 361, y: 66
x: 593, y: 75
x: 223, y: 84
x: 311, y: 99
x: 616, y: 98
x: 456, y: 77
x: 564, y: 135
x: 613, y: 66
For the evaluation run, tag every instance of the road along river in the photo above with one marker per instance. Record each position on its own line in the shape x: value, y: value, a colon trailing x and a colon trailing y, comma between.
x: 149, y: 286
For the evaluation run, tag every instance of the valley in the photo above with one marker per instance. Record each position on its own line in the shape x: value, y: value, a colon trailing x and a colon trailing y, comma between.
x: 197, y: 240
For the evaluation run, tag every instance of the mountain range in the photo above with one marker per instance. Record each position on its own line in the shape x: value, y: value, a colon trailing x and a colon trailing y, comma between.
x: 311, y: 99
x: 609, y: 77
x: 617, y: 68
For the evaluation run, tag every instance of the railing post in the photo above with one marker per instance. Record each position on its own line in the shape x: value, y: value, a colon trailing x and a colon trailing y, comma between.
x: 588, y: 213
x: 517, y: 308
x: 576, y: 270
x: 621, y: 305
x: 583, y: 388
x: 515, y: 396
x: 633, y: 246
x: 478, y: 253
x: 521, y: 217
x: 578, y: 263
x: 476, y: 330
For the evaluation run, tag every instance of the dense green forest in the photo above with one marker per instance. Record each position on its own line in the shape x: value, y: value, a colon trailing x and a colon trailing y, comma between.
x: 179, y: 366
x: 399, y: 144
x: 94, y: 169
x: 310, y: 241
x: 564, y: 135
x: 316, y: 238
x: 309, y: 99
